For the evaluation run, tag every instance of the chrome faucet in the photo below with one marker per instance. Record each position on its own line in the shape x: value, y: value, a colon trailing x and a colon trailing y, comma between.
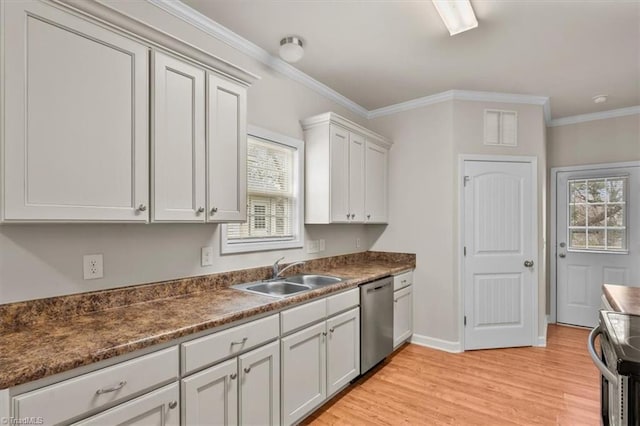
x: 276, y: 268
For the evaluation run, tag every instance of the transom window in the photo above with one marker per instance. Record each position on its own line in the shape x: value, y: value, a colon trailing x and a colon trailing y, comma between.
x: 598, y: 214
x: 274, y: 198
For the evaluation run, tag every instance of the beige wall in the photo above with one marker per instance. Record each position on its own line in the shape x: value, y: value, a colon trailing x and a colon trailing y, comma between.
x: 601, y: 141
x: 46, y: 260
x: 427, y: 145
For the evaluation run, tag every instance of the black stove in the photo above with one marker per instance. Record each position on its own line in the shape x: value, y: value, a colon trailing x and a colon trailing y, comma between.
x: 623, y: 332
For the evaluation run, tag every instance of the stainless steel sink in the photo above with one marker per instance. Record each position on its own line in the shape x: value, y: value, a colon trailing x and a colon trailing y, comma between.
x: 288, y: 286
x: 278, y: 288
x: 313, y: 280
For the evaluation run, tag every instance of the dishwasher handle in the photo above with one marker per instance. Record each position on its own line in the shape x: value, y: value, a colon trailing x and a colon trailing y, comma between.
x: 380, y: 287
x: 591, y: 346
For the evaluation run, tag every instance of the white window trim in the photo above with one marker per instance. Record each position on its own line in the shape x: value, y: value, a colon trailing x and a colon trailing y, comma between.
x: 298, y: 190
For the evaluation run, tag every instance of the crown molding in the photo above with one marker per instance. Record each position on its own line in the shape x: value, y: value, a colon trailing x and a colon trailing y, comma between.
x: 583, y: 118
x: 209, y: 26
x: 332, y: 117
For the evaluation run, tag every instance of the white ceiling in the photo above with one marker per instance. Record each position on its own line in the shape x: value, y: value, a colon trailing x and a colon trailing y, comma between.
x: 382, y: 52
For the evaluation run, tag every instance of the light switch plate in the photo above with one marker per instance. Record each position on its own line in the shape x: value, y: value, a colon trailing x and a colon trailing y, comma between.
x: 92, y: 266
x: 313, y: 246
x: 322, y: 245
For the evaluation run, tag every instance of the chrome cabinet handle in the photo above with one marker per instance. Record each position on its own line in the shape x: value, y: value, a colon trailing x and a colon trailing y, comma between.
x: 233, y: 376
x: 331, y: 330
x: 591, y: 346
x: 562, y: 255
x: 200, y: 210
x: 112, y: 388
x: 214, y: 210
x: 142, y: 207
x: 348, y: 215
x: 395, y: 300
x: 244, y: 340
x: 173, y: 404
x: 368, y: 216
x: 528, y: 263
x: 324, y: 333
x: 353, y: 215
x: 247, y: 370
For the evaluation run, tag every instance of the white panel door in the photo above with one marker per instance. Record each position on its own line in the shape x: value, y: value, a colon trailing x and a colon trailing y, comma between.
x: 211, y: 396
x: 304, y: 372
x: 178, y: 145
x: 339, y: 147
x: 260, y: 386
x: 226, y: 150
x: 158, y: 408
x: 76, y: 119
x: 343, y: 350
x: 598, y: 238
x: 499, y: 289
x: 376, y: 183
x: 402, y: 315
x: 356, y: 177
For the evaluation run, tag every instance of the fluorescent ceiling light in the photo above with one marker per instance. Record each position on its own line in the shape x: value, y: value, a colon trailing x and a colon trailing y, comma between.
x: 457, y: 15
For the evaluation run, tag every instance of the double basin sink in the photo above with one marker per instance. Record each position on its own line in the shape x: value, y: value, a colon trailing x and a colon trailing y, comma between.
x: 289, y: 286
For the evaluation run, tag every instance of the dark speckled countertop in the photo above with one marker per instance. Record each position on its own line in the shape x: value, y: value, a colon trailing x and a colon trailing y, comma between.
x: 48, y: 336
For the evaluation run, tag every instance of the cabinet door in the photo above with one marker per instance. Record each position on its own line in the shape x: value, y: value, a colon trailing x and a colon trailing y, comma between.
x: 376, y: 183
x: 260, y: 386
x: 76, y: 119
x: 339, y: 141
x: 211, y: 396
x: 303, y: 372
x: 178, y: 143
x: 226, y: 151
x: 160, y: 408
x: 402, y: 315
x: 343, y: 350
x: 356, y: 177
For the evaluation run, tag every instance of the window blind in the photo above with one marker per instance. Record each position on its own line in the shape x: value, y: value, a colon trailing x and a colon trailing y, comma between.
x: 271, y: 199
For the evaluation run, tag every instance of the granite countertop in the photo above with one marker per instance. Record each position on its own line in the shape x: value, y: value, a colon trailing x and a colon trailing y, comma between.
x: 623, y: 298
x: 59, y: 340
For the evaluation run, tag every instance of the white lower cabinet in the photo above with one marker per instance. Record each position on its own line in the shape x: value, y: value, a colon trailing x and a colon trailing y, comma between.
x: 159, y: 408
x: 317, y: 362
x: 243, y: 390
x: 402, y: 308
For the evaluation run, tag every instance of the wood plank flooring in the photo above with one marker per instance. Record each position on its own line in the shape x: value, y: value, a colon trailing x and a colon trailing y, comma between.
x: 556, y: 385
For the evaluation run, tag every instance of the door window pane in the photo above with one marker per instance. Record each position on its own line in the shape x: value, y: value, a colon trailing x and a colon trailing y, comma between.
x: 597, y: 214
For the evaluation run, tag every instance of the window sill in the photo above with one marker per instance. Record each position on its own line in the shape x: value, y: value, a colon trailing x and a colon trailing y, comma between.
x: 230, y: 248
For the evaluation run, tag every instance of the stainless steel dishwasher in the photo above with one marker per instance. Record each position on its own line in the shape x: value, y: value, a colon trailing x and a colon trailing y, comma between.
x: 376, y: 322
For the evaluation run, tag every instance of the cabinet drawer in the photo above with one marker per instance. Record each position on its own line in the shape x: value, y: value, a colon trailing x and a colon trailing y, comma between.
x: 295, y: 318
x: 74, y: 397
x: 343, y: 301
x: 402, y: 280
x: 208, y: 350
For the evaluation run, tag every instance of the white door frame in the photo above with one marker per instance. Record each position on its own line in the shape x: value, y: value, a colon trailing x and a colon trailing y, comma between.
x: 553, y: 273
x: 461, y: 234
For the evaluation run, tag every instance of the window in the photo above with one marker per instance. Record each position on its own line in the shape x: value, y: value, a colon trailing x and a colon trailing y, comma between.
x: 274, y: 195
x: 597, y: 214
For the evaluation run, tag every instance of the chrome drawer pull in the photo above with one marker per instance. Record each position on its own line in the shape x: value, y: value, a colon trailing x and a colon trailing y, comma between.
x: 173, y: 404
x: 233, y: 376
x: 112, y: 389
x: 244, y: 340
x: 247, y: 369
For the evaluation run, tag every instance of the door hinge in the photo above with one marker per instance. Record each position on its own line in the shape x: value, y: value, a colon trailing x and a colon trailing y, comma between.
x: 464, y: 251
x: 466, y: 179
x: 465, y: 320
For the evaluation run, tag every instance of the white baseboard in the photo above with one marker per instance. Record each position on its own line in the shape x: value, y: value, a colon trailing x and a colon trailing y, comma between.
x: 542, y: 338
x: 432, y: 342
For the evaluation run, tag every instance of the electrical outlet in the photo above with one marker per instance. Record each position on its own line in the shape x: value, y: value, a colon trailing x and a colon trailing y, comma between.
x: 206, y: 256
x: 322, y: 245
x: 357, y: 242
x: 313, y: 246
x: 92, y: 266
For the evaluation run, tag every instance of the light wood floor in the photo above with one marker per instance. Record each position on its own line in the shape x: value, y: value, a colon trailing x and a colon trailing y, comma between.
x: 556, y: 385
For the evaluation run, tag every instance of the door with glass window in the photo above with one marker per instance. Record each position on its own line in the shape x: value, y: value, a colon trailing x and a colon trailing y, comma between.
x: 598, y: 238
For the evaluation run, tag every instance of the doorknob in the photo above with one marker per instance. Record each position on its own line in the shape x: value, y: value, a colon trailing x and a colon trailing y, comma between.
x: 562, y: 255
x: 528, y: 263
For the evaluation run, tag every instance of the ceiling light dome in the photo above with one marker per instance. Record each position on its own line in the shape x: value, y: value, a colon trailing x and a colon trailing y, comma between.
x: 291, y: 49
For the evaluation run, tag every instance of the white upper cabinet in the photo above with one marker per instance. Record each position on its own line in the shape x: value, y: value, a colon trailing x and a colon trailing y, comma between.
x: 345, y: 172
x: 75, y: 119
x: 178, y: 163
x: 375, y: 200
x: 226, y: 150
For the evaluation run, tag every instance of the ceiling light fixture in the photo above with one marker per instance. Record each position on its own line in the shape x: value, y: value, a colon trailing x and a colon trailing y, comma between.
x: 291, y: 49
x: 457, y: 15
x: 599, y: 99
